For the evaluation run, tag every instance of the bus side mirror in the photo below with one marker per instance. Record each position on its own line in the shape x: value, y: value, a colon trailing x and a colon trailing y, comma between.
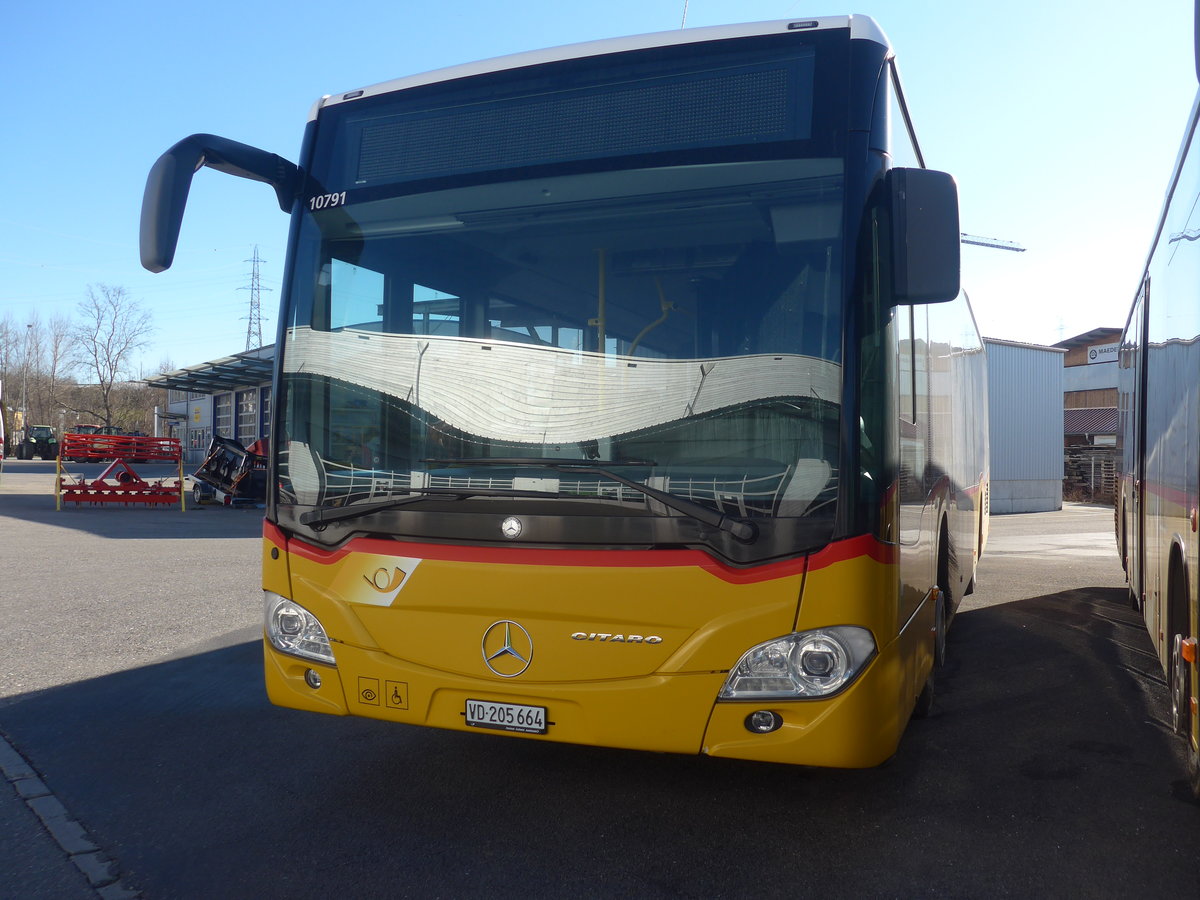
x: 926, y: 250
x: 170, y: 180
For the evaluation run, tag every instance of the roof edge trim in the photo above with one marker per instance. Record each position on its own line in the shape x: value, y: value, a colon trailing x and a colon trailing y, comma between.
x: 861, y: 28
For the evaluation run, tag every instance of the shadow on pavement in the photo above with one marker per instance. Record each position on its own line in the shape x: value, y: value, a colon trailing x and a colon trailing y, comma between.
x: 1046, y: 748
x: 118, y: 521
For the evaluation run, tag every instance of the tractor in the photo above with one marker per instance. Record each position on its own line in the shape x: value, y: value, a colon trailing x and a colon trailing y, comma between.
x: 39, y: 441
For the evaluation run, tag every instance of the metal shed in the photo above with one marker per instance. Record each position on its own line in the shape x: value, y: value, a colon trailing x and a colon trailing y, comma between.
x: 1025, y: 426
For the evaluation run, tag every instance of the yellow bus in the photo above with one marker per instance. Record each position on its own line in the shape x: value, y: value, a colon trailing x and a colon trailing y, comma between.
x: 627, y: 396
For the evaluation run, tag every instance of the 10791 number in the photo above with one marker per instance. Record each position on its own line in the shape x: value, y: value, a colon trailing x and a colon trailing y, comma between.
x: 326, y: 201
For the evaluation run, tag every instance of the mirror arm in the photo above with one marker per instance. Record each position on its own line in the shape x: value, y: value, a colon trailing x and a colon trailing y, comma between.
x: 170, y: 180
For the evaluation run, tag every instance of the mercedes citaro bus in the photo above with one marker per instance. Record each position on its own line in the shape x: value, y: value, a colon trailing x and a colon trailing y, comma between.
x: 626, y: 396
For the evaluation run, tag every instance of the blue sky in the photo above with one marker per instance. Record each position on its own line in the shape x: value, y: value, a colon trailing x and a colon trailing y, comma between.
x: 1061, y: 120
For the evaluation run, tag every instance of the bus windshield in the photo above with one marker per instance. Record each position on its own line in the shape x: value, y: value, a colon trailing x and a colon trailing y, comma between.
x: 682, y: 323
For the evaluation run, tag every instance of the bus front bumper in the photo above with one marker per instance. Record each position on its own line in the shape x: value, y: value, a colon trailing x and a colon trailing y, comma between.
x: 677, y: 713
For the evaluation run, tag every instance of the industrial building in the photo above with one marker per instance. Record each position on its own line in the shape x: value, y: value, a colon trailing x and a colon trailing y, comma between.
x: 230, y: 397
x: 1090, y: 412
x: 1025, y: 426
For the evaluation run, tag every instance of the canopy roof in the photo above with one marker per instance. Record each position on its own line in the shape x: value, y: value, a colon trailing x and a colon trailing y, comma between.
x: 229, y: 373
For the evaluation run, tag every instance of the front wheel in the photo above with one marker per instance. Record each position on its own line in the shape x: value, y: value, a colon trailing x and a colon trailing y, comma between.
x: 939, y: 631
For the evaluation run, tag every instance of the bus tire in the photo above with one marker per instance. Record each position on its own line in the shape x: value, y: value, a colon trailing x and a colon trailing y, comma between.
x: 939, y: 631
x: 947, y: 574
x: 1178, y: 676
x: 924, y: 705
x: 1181, y: 713
x: 1123, y: 542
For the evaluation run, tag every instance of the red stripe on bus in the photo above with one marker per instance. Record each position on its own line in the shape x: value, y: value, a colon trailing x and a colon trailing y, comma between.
x: 832, y: 554
x: 853, y: 548
x: 1169, y: 493
x: 273, y: 533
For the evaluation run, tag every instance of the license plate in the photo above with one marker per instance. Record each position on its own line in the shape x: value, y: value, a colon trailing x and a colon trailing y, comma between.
x: 506, y: 716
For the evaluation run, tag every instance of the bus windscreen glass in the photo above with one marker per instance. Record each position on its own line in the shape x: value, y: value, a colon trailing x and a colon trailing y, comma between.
x: 684, y: 324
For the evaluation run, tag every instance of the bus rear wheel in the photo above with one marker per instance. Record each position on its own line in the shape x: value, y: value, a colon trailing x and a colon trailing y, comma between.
x: 1181, y: 714
x: 1182, y: 720
x: 1179, y: 670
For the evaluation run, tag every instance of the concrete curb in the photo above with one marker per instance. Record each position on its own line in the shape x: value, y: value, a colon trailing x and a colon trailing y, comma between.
x: 72, y: 838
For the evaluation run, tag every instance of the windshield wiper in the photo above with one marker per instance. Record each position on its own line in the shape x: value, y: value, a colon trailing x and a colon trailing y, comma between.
x: 318, y: 518
x: 740, y: 529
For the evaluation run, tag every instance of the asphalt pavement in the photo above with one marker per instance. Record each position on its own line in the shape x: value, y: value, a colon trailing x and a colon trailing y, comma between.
x: 60, y: 568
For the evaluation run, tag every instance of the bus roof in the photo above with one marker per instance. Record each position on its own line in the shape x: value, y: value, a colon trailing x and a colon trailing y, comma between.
x: 861, y: 28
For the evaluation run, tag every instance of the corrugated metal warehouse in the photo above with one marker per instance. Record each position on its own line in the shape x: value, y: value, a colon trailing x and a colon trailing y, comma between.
x: 1025, y: 425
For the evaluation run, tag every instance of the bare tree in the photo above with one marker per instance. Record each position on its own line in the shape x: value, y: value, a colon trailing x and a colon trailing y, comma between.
x: 9, y: 350
x: 35, y: 367
x: 10, y: 345
x: 58, y: 354
x: 112, y: 328
x: 20, y: 351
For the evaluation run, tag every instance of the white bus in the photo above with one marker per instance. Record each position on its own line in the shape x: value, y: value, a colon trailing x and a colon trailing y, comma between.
x: 1158, y: 503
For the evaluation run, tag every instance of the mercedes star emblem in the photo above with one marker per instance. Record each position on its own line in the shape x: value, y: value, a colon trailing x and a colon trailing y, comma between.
x: 507, y: 648
x: 511, y: 528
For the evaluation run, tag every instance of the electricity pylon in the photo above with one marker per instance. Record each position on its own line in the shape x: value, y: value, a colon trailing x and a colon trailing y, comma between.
x: 254, y: 325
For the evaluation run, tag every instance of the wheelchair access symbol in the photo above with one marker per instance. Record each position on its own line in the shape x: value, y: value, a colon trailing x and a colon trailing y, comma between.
x: 396, y: 695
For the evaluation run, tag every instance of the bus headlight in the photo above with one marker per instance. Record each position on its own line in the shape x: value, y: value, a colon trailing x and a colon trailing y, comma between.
x: 293, y: 629
x: 806, y: 664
